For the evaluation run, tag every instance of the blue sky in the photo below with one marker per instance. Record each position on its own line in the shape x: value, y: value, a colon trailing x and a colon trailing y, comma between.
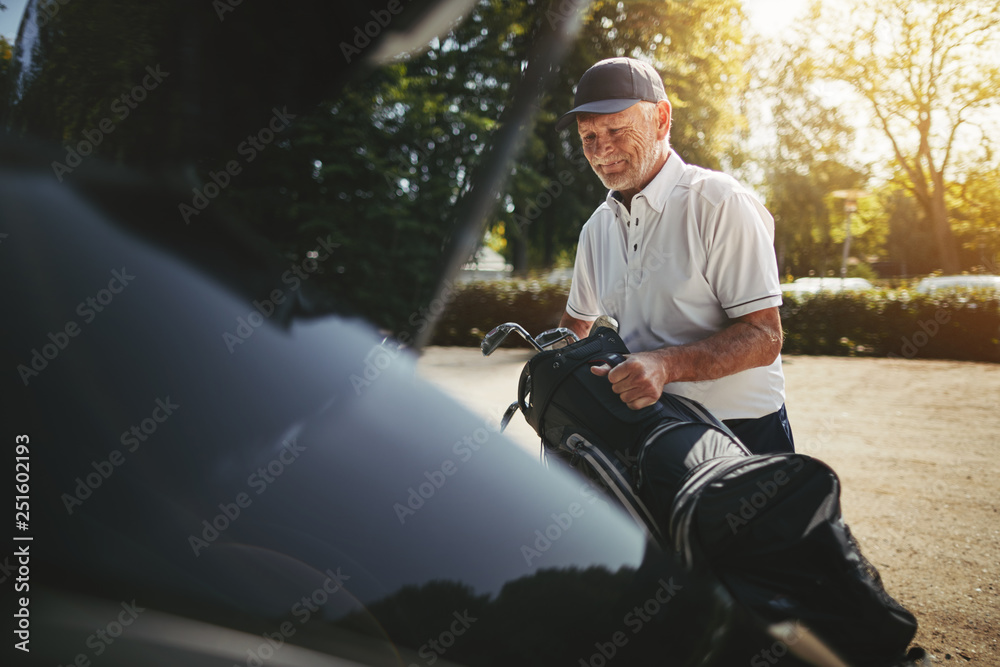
x: 10, y: 19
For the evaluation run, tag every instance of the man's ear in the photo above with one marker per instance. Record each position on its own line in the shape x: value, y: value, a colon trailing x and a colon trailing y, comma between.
x: 663, y: 119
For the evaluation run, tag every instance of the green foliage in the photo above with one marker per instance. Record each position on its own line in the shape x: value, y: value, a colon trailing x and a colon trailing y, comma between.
x: 975, y: 210
x: 378, y: 168
x: 921, y: 68
x: 808, y: 161
x: 962, y: 325
x: 923, y: 77
x: 477, y: 307
x: 65, y: 99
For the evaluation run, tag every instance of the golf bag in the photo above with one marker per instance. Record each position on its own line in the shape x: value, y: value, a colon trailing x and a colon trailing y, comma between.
x: 770, y: 527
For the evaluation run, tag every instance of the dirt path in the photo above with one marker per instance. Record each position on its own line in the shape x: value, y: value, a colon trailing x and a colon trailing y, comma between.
x: 917, y: 448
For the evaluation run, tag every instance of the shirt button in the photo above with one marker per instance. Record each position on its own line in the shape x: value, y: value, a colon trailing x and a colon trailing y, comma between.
x: 635, y: 246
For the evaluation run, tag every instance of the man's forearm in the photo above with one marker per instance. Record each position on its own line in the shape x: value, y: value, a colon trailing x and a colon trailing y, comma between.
x: 580, y: 327
x: 738, y: 347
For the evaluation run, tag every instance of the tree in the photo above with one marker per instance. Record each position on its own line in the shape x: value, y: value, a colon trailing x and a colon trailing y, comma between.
x: 976, y: 206
x: 928, y: 71
x: 6, y: 52
x: 807, y: 160
x: 379, y: 169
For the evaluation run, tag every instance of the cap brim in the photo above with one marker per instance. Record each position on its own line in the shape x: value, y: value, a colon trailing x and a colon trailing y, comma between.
x: 601, y: 106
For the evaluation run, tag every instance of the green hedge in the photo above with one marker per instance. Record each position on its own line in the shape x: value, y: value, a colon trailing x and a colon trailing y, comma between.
x: 962, y: 325
x: 477, y: 307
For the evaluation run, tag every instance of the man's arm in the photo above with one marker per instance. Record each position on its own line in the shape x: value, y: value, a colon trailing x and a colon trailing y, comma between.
x: 580, y: 327
x: 750, y: 341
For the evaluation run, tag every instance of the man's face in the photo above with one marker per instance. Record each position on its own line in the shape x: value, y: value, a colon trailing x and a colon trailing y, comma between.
x: 622, y: 148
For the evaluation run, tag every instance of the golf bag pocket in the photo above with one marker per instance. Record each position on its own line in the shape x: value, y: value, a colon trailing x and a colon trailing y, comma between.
x: 771, y: 528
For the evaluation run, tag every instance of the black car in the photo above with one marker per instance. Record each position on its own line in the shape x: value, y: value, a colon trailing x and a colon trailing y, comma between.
x: 212, y: 463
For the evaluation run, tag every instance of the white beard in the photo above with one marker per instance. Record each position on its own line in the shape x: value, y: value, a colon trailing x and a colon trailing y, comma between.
x: 635, y: 173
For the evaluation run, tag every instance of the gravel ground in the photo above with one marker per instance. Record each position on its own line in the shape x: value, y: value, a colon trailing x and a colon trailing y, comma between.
x: 916, y: 445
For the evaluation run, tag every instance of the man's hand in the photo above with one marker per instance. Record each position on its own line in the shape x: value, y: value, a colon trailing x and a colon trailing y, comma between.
x: 638, y: 380
x: 749, y: 341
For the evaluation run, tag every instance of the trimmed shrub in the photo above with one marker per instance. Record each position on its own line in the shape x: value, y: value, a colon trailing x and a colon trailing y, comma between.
x: 963, y: 325
x: 946, y: 325
x: 479, y: 306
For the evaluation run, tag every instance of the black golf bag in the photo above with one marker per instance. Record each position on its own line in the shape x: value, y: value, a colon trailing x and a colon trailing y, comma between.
x: 769, y: 527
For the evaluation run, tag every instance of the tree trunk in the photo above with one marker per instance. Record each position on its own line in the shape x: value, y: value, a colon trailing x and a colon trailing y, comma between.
x: 518, y: 256
x: 941, y: 228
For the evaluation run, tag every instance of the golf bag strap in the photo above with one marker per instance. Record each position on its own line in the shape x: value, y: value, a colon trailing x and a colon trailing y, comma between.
x: 617, y: 484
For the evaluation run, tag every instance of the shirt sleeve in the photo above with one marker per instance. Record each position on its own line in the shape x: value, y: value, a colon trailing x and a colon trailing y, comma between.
x: 741, y: 265
x: 583, y: 303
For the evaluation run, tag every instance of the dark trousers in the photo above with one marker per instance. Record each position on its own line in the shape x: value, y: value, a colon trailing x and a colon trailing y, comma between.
x: 770, y: 434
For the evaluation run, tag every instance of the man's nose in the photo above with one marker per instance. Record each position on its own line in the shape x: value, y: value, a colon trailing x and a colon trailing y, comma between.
x: 603, y: 146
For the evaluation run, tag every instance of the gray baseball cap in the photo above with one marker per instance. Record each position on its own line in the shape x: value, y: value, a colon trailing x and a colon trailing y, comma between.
x: 614, y: 85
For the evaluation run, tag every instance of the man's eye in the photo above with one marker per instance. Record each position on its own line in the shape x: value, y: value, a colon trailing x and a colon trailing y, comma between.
x: 616, y: 130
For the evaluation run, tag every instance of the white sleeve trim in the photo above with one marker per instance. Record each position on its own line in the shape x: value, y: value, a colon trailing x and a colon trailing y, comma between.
x: 752, y: 306
x: 578, y: 315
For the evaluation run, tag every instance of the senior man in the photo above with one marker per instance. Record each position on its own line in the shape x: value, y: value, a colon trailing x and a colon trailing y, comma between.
x: 682, y: 257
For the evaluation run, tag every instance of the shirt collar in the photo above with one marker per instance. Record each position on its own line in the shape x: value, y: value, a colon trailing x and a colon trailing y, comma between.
x: 658, y: 189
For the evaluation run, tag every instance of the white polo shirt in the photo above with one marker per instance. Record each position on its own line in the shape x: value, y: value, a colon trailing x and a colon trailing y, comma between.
x: 696, y: 251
